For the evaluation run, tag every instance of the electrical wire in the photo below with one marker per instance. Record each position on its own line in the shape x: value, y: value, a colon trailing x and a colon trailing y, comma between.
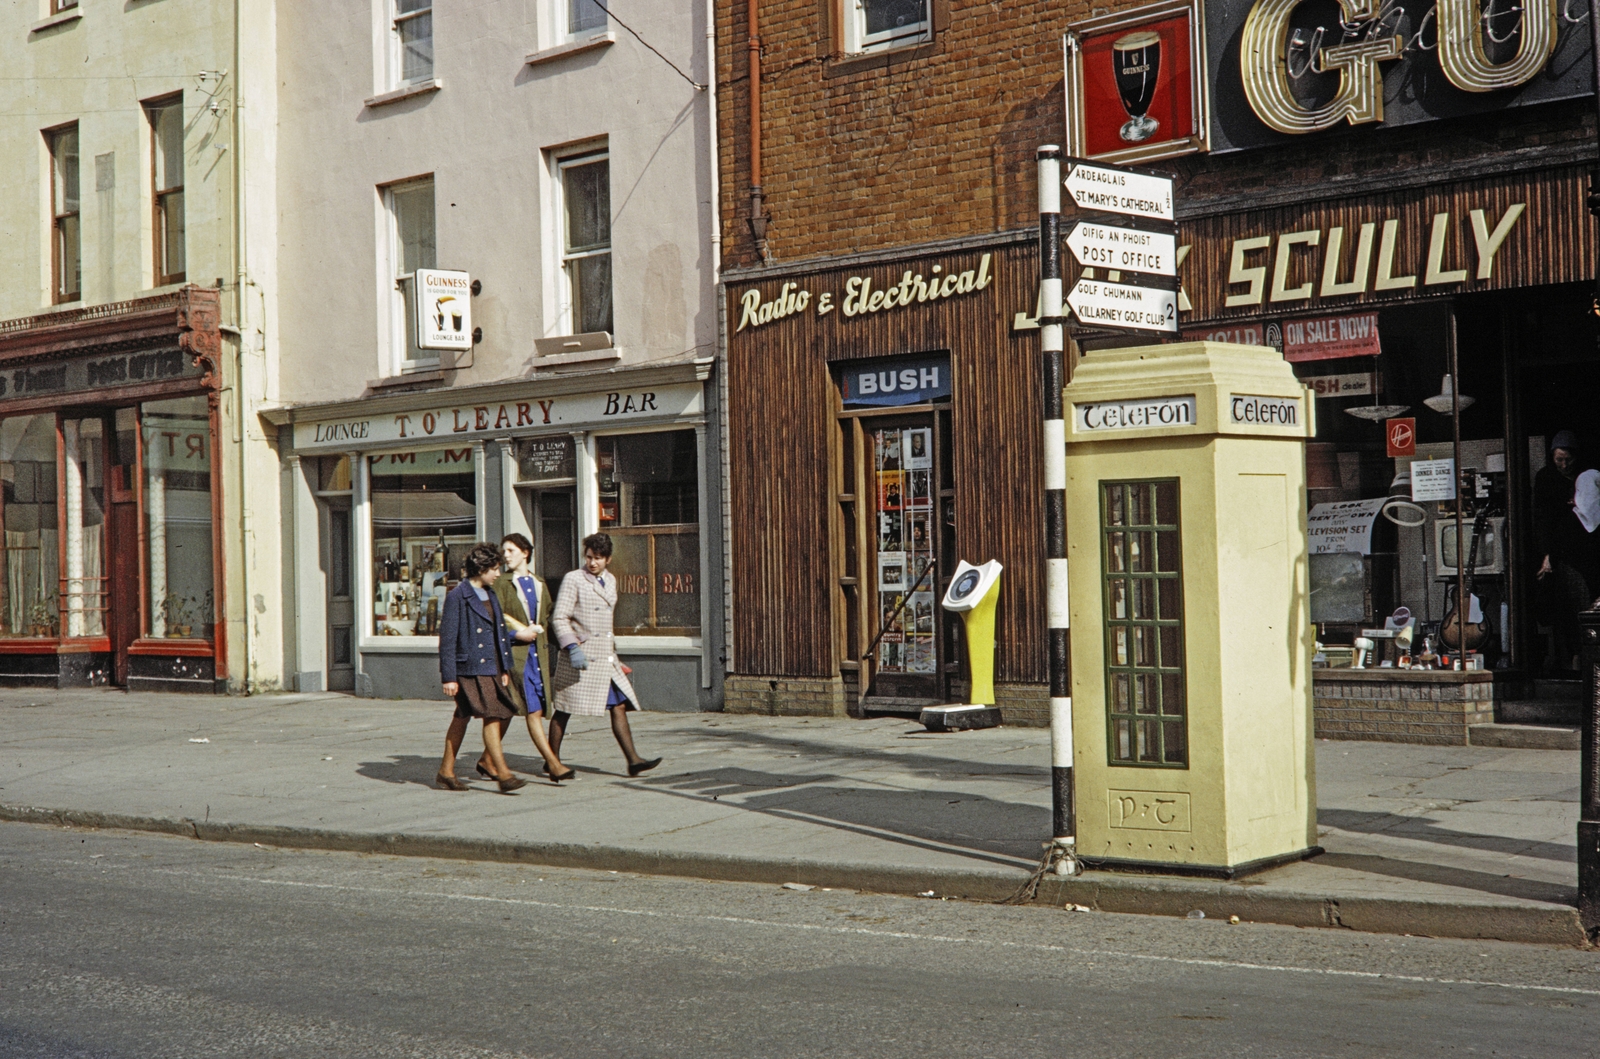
x: 601, y: 4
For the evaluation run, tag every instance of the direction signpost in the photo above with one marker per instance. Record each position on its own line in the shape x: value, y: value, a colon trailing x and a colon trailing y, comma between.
x: 1146, y: 247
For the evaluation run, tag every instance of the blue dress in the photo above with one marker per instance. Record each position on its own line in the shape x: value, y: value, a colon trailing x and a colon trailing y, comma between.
x: 532, y: 679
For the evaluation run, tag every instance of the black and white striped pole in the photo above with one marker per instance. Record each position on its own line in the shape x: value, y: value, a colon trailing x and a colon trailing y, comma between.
x: 1063, y: 818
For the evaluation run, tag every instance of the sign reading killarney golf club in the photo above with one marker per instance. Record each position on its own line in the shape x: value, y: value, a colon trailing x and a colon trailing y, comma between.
x: 444, y: 309
x: 1109, y: 189
x: 1122, y: 305
x: 1124, y: 249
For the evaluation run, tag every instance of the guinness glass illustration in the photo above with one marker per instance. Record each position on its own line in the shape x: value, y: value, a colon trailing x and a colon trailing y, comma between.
x: 1137, y: 61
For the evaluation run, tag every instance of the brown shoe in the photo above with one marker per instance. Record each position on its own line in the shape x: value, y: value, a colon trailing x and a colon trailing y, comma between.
x: 448, y: 783
x: 507, y: 786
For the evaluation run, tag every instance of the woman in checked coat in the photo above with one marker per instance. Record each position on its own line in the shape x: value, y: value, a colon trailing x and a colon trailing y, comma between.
x: 588, y: 679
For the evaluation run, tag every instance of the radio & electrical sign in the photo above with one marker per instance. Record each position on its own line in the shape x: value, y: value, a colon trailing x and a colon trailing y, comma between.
x: 860, y: 295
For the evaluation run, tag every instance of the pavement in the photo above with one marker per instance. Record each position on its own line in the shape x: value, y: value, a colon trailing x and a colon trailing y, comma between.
x: 1466, y: 842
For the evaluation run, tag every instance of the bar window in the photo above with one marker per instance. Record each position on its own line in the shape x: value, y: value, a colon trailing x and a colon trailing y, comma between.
x: 177, y: 511
x: 66, y: 252
x: 650, y: 505
x: 586, y: 242
x: 30, y: 590
x: 412, y: 245
x: 413, y: 41
x: 424, y: 519
x: 1142, y: 570
x: 166, y: 162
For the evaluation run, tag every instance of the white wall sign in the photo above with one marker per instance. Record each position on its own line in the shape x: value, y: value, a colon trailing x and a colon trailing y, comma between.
x: 1343, y: 527
x: 1156, y: 412
x: 444, y: 309
x: 1264, y: 411
x: 1433, y: 480
x: 451, y: 423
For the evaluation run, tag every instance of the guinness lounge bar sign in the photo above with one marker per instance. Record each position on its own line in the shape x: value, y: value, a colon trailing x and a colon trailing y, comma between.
x: 1272, y: 70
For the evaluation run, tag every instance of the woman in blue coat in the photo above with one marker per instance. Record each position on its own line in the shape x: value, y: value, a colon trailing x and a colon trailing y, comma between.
x: 475, y: 668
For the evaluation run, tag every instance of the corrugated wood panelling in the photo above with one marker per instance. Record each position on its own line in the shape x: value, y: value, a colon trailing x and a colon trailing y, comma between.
x: 781, y: 393
x: 1552, y: 242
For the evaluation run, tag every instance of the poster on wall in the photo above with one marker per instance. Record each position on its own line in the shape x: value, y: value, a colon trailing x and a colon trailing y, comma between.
x: 1135, y: 84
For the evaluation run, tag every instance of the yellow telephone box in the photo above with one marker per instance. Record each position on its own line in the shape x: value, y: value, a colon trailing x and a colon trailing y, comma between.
x: 1191, y: 630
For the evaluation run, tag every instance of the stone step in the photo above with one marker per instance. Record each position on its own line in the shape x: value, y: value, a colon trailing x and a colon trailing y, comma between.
x: 1558, y: 690
x: 1539, y: 711
x: 1524, y: 736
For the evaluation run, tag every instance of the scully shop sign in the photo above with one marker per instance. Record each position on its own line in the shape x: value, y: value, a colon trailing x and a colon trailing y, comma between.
x: 497, y: 418
x: 1524, y: 230
x: 862, y: 295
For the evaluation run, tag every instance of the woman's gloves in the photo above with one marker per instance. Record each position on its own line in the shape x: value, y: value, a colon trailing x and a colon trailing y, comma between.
x: 576, y: 656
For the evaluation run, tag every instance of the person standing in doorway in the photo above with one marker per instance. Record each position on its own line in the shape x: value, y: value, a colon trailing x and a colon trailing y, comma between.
x: 475, y: 668
x: 589, y: 679
x: 1566, y: 575
x: 525, y: 600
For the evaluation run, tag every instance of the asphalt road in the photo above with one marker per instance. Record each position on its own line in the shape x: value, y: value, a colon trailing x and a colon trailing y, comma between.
x: 120, y: 945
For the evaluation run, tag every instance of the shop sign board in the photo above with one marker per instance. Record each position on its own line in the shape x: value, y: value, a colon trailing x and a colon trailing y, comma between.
x: 1146, y: 414
x: 1125, y: 306
x: 1400, y: 437
x: 1110, y: 189
x: 1433, y: 480
x: 895, y: 381
x: 444, y: 309
x: 1343, y: 527
x: 98, y: 372
x: 489, y: 418
x: 1340, y: 385
x: 1124, y: 249
x: 547, y: 459
x: 1331, y: 337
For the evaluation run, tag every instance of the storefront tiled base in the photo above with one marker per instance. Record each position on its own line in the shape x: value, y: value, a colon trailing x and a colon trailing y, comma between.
x: 1392, y: 706
x: 159, y: 673
x: 785, y: 696
x: 87, y: 669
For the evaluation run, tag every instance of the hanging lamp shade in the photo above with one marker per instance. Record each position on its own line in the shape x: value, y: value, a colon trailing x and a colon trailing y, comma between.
x: 1375, y: 412
x: 1441, y: 401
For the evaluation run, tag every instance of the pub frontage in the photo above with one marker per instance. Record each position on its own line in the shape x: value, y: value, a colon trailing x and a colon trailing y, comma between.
x: 385, y: 494
x: 112, y: 497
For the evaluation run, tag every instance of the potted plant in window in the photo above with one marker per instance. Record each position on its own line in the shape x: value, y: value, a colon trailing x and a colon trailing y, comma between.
x: 41, y: 619
x: 177, y: 613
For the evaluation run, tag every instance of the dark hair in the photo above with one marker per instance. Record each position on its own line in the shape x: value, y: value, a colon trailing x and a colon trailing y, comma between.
x: 481, y: 559
x: 523, y: 544
x: 599, y: 543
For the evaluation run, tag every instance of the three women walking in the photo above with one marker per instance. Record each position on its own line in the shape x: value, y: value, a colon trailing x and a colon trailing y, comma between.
x: 494, y: 626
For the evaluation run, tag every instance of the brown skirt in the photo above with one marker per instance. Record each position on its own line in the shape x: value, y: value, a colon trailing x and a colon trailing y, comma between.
x: 485, y: 699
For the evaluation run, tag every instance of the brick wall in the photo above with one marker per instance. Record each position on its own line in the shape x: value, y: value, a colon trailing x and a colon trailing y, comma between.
x: 938, y: 141
x: 785, y: 696
x: 1395, y: 707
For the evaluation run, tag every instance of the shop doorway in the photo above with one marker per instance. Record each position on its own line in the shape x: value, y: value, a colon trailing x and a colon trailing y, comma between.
x: 336, y: 536
x: 553, y: 514
x: 897, y: 510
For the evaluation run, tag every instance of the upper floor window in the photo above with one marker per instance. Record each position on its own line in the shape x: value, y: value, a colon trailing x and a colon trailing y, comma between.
x: 872, y: 25
x: 66, y: 247
x: 58, y: 6
x: 411, y: 246
x: 166, y: 167
x: 585, y: 188
x: 412, y: 46
x: 584, y: 17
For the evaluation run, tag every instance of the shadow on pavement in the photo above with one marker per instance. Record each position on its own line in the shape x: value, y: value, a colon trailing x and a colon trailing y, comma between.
x: 1464, y: 878
x: 916, y: 762
x: 1428, y: 831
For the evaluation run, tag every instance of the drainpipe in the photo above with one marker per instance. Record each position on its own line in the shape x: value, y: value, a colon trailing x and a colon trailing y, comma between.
x: 758, y: 219
x: 714, y: 163
x: 241, y: 286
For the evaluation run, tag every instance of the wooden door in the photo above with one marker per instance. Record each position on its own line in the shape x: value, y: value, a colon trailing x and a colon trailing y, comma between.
x: 125, y: 623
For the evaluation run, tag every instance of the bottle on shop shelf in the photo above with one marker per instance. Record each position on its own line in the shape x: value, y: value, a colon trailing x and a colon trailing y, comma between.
x: 405, y: 569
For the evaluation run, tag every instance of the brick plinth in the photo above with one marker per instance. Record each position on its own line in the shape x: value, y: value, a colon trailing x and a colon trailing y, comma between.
x: 1401, y: 706
x: 785, y: 696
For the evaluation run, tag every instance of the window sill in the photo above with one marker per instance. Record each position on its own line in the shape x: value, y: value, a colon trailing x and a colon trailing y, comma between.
x: 864, y: 62
x: 408, y: 380
x: 61, y: 19
x: 658, y: 645
x: 586, y: 356
x: 561, y: 51
x: 421, y: 88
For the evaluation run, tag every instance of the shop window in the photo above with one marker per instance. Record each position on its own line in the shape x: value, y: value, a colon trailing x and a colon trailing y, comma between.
x: 876, y: 25
x: 177, y: 509
x: 411, y: 46
x: 31, y: 601
x: 66, y: 250
x: 585, y: 184
x: 166, y: 162
x: 424, y: 508
x: 650, y: 505
x: 1140, y: 555
x: 83, y: 581
x: 412, y: 245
